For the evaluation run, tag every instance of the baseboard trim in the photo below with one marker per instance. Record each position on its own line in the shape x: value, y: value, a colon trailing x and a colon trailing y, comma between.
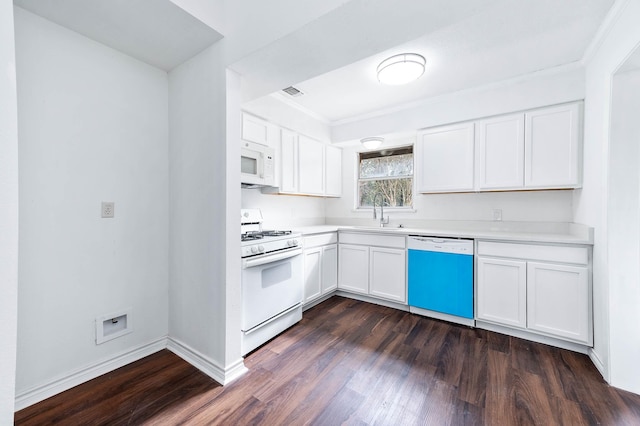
x: 595, y: 359
x: 40, y: 393
x: 376, y: 301
x: 538, y: 338
x: 469, y: 322
x: 205, y: 364
x: 317, y: 301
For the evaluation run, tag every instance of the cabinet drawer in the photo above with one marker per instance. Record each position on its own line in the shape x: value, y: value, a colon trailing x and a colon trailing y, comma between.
x: 320, y: 240
x: 560, y: 254
x: 394, y: 241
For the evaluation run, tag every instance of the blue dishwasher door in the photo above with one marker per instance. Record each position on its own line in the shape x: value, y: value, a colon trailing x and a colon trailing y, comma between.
x: 441, y: 282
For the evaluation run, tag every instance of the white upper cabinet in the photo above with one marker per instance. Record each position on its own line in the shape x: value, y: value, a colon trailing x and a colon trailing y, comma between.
x: 333, y: 171
x: 538, y: 149
x: 552, y: 147
x: 304, y: 166
x: 288, y: 161
x: 310, y: 166
x: 257, y: 130
x: 445, y: 159
x: 500, y: 149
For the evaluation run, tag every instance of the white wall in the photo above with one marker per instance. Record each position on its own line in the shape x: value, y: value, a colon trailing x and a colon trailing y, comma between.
x: 93, y: 127
x: 199, y: 207
x: 285, y: 211
x: 8, y: 213
x: 536, y: 90
x: 624, y: 230
x: 621, y: 37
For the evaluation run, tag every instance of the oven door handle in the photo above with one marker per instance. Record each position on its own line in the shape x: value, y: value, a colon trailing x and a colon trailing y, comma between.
x: 249, y: 263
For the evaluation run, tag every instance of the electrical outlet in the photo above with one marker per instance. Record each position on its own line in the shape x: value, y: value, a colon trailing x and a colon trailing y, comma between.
x: 108, y: 208
x: 497, y: 214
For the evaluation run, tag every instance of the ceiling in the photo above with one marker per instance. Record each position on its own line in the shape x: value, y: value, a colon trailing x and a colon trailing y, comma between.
x: 330, y: 50
x: 155, y: 31
x: 501, y: 41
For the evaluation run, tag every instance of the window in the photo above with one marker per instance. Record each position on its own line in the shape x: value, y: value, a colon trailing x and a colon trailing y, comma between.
x: 388, y: 175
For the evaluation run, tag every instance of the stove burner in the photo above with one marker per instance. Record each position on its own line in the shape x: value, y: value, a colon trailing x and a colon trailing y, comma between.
x: 250, y: 236
x: 275, y: 233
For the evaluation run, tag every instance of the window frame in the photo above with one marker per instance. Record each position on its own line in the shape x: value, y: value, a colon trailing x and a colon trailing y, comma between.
x: 356, y: 197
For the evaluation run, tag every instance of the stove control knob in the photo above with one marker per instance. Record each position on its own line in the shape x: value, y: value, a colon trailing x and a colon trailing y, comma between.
x: 292, y: 243
x: 261, y: 249
x: 254, y: 249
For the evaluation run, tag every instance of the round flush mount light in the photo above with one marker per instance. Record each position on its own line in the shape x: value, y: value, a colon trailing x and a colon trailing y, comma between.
x: 372, y: 143
x: 401, y: 69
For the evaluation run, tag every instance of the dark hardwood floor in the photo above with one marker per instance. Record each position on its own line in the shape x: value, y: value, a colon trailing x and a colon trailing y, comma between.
x: 349, y: 362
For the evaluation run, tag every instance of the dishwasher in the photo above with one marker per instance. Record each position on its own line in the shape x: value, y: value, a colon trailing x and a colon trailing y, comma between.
x: 440, y: 278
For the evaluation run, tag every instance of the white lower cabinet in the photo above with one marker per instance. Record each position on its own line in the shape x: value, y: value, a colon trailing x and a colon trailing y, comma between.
x: 387, y: 277
x: 320, y: 256
x: 502, y: 291
x: 312, y: 273
x: 353, y: 272
x: 558, y: 300
x: 329, y: 268
x: 537, y: 288
x: 373, y: 265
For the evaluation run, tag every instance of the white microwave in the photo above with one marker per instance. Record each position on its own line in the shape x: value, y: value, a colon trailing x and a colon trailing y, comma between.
x: 256, y: 165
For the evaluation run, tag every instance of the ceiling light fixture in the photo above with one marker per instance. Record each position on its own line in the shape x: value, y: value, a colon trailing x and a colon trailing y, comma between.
x: 372, y: 143
x: 401, y: 69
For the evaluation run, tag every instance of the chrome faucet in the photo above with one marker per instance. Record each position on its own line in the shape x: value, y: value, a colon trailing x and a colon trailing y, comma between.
x: 382, y: 219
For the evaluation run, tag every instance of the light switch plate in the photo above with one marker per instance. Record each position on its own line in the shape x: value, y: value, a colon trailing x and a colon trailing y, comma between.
x: 497, y: 215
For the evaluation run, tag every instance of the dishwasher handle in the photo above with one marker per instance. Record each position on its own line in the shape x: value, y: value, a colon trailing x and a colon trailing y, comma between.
x: 442, y: 245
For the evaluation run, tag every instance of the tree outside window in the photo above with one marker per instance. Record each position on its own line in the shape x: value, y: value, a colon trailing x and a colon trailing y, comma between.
x: 388, y: 172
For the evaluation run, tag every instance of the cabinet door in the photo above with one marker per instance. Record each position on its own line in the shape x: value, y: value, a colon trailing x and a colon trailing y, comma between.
x: 387, y: 274
x: 552, y: 147
x: 259, y: 131
x: 310, y: 166
x: 333, y: 171
x: 312, y: 273
x: 502, y: 291
x: 558, y: 300
x: 353, y: 274
x: 445, y: 159
x: 501, y: 152
x: 289, y: 162
x: 329, y: 268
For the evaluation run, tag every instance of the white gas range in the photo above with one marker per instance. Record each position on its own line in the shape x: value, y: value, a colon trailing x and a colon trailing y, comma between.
x: 272, y: 280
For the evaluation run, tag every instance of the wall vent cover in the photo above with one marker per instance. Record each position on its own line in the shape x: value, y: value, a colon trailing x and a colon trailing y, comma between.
x: 113, y: 325
x: 292, y: 91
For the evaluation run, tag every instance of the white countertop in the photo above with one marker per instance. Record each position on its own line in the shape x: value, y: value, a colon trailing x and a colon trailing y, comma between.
x: 569, y: 233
